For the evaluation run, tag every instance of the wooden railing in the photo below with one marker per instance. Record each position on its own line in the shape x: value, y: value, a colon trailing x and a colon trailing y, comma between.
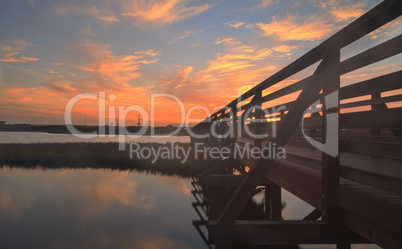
x: 231, y: 121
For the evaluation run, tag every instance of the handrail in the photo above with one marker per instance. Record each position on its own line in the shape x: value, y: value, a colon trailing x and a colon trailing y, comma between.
x: 370, y: 21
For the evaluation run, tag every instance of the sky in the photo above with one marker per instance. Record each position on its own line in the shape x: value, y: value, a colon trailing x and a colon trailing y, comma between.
x: 126, y: 51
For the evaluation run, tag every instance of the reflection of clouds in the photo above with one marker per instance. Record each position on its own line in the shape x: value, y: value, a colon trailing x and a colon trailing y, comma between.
x: 94, y: 192
x: 95, y: 208
x: 13, y: 203
x: 179, y: 186
x: 107, y: 240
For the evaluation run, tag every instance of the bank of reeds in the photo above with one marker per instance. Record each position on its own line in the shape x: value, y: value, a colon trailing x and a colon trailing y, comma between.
x: 96, y: 155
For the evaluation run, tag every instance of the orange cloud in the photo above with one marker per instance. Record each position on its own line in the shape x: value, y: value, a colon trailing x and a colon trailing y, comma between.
x: 261, y: 5
x: 284, y: 48
x: 235, y: 24
x: 14, y: 47
x: 224, y: 76
x: 388, y: 29
x: 160, y: 12
x: 290, y: 29
x: 343, y: 10
x: 111, y: 71
x: 186, y: 34
x: 228, y: 41
x: 345, y: 13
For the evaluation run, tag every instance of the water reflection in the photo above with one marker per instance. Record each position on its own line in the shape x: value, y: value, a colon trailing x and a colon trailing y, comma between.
x: 94, y: 208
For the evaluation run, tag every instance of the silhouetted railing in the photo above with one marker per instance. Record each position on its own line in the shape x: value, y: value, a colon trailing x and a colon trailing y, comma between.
x: 275, y: 109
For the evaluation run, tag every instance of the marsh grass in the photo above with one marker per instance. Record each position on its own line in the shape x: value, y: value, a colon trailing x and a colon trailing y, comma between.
x: 94, y: 155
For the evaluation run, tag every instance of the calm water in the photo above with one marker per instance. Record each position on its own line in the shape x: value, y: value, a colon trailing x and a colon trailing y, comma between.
x: 102, y: 208
x: 89, y: 208
x: 37, y: 137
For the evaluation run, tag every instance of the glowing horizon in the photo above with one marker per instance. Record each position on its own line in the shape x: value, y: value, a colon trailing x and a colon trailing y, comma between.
x: 202, y: 52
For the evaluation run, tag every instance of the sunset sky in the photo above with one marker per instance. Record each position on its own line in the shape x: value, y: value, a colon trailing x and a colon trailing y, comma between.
x: 202, y: 52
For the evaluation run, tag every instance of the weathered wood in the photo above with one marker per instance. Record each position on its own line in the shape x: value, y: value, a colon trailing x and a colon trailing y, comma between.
x: 380, y: 52
x: 370, y: 231
x: 313, y: 215
x: 271, y: 232
x: 378, y: 211
x: 382, y: 83
x: 330, y: 163
x: 369, y: 211
x: 378, y: 149
x: 300, y: 181
x: 389, y: 119
x: 373, y: 101
x: 273, y: 201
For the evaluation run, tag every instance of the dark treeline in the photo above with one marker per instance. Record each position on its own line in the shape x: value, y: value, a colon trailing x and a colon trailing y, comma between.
x: 96, y: 155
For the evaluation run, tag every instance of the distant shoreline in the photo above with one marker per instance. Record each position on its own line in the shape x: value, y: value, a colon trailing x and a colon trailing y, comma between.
x: 62, y: 129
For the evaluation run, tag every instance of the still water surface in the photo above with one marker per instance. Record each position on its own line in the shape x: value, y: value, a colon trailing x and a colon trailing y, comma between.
x: 102, y: 208
x: 94, y: 208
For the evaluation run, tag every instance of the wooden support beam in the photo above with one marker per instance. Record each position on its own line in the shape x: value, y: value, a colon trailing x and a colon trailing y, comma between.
x: 374, y: 96
x: 343, y: 246
x: 314, y: 215
x: 197, y: 225
x: 273, y: 201
x: 271, y: 232
x: 330, y: 163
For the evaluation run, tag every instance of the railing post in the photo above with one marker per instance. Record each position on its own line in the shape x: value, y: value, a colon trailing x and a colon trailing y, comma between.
x: 258, y: 121
x: 273, y: 201
x: 374, y: 96
x: 235, y: 125
x: 330, y: 164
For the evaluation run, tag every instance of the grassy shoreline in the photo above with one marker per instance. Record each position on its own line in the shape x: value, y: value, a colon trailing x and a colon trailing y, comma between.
x: 97, y: 155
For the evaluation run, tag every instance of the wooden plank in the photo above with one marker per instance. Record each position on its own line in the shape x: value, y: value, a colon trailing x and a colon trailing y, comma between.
x: 271, y: 232
x: 377, y: 176
x: 300, y: 181
x: 382, y: 83
x: 372, y: 101
x: 376, y: 149
x: 374, y: 210
x: 385, y: 119
x: 370, y: 231
x: 380, y: 52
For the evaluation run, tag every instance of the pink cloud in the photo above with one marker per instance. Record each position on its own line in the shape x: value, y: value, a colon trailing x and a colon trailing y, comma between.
x: 162, y: 12
x: 10, y: 51
x: 291, y: 28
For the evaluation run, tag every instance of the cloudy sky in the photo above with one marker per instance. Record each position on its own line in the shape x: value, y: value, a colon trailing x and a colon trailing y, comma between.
x: 202, y: 52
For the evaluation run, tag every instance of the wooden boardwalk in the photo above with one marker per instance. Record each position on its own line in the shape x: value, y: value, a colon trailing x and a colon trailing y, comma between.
x: 355, y: 185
